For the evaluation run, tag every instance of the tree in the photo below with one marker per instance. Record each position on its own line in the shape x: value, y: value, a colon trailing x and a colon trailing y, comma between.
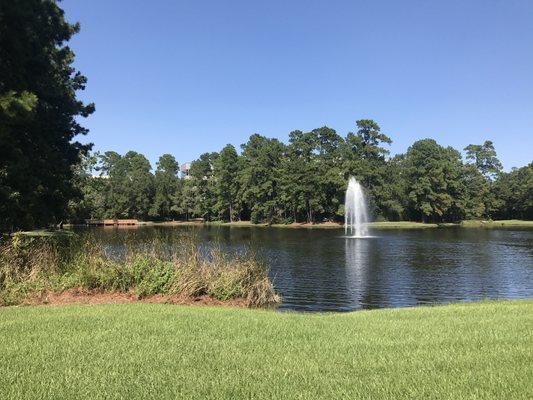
x: 393, y: 201
x: 202, y: 186
x: 486, y: 162
x: 514, y: 193
x: 259, y: 178
x: 166, y: 186
x: 108, y: 161
x: 365, y: 159
x: 91, y: 204
x: 485, y: 159
x: 38, y: 114
x: 300, y: 171
x: 332, y: 184
x: 432, y: 179
x: 470, y: 193
x: 184, y: 202
x: 131, y: 185
x: 226, y: 169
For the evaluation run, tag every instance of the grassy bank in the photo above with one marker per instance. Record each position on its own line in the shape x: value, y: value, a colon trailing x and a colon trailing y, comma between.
x: 321, y: 225
x: 511, y: 223
x: 147, y: 351
x: 400, y: 225
x: 372, y: 225
x: 36, y: 269
x: 508, y: 223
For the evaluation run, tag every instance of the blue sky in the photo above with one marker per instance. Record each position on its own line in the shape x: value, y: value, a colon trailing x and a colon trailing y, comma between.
x: 186, y: 77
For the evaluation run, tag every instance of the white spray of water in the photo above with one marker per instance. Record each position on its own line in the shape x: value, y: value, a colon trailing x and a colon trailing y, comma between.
x: 355, y: 211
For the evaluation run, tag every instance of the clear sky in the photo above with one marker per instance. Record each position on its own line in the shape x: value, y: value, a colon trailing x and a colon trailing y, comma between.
x: 186, y: 77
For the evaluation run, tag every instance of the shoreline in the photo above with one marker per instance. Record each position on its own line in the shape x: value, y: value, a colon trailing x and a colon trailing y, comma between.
x: 334, y: 225
x: 81, y: 296
x: 381, y: 225
x: 95, y: 297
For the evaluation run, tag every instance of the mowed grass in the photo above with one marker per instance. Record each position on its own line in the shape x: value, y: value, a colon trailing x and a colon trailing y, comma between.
x: 157, y: 351
x: 400, y: 225
x: 506, y: 223
x: 331, y: 225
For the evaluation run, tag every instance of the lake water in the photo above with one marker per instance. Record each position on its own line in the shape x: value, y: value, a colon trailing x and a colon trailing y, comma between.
x: 319, y: 270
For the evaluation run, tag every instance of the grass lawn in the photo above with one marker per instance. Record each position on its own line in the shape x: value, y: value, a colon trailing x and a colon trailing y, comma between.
x: 329, y: 225
x: 510, y: 223
x: 157, y: 351
x: 400, y: 225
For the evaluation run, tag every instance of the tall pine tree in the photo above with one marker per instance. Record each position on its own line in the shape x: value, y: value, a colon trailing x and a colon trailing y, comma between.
x: 38, y: 110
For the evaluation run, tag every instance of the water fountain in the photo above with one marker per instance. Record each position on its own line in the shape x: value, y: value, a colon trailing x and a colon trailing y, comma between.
x: 355, y: 211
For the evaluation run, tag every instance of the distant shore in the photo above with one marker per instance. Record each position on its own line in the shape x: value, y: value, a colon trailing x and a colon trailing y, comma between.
x: 380, y: 225
x: 373, y: 225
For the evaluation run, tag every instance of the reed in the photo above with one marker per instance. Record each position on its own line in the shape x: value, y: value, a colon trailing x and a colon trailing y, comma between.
x: 31, y: 267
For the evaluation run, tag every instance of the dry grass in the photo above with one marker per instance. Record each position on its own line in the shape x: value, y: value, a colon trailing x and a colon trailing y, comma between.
x: 30, y: 267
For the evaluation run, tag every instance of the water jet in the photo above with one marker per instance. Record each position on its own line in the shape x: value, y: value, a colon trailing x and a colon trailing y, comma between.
x: 355, y: 210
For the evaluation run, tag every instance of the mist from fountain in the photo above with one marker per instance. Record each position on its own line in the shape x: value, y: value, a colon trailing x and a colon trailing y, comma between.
x: 355, y: 210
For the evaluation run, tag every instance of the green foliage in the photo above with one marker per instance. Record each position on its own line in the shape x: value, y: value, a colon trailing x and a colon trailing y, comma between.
x: 484, y: 158
x: 259, y: 178
x: 125, y: 187
x: 300, y: 178
x: 226, y: 168
x: 132, y: 186
x: 514, y: 194
x: 433, y: 178
x: 364, y: 158
x: 93, y: 189
x: 38, y: 114
x: 476, y: 193
x: 305, y: 181
x: 202, y: 187
x: 393, y: 202
x: 152, y: 276
x: 166, y: 187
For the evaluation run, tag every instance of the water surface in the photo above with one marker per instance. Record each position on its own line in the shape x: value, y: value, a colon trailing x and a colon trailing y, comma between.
x: 319, y: 270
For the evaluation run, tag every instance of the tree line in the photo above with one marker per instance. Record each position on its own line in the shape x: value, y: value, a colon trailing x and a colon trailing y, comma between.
x: 305, y: 179
x: 47, y: 176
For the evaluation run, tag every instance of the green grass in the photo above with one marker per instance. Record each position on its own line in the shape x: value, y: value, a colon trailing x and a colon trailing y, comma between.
x: 330, y: 225
x: 400, y: 225
x: 512, y: 223
x: 150, y: 351
x: 508, y: 223
x: 40, y: 233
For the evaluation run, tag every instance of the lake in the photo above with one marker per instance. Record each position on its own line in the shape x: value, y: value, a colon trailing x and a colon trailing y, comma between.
x: 319, y: 270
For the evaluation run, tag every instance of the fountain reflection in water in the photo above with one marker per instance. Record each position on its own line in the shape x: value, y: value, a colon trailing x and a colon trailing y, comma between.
x: 355, y: 210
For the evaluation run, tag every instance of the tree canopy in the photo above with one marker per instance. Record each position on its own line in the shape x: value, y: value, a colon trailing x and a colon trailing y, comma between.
x: 304, y: 180
x: 38, y: 114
